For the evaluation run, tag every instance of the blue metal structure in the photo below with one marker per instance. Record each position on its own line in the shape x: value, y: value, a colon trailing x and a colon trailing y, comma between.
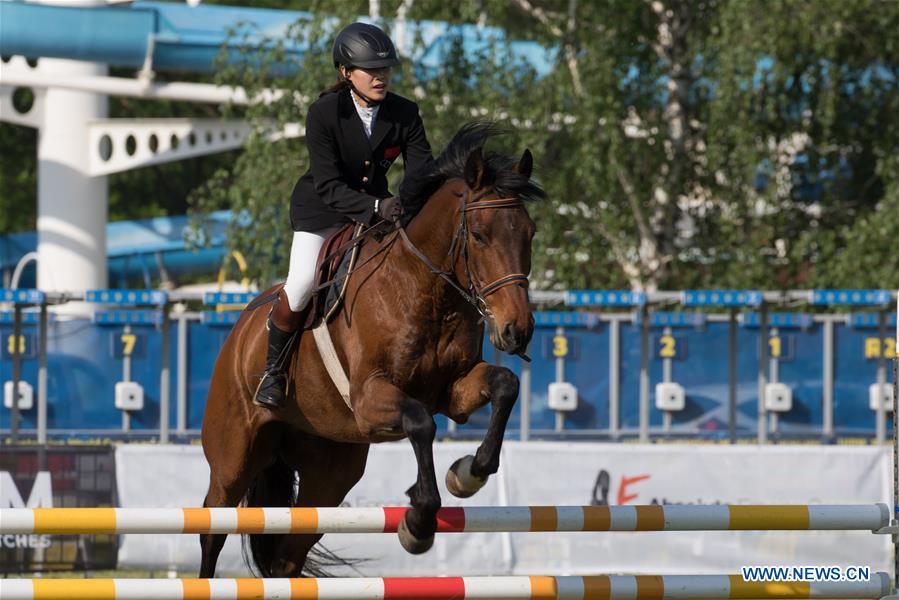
x: 137, y: 250
x: 179, y: 37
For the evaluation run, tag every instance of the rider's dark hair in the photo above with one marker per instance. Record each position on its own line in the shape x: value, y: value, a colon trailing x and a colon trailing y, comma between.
x: 341, y: 84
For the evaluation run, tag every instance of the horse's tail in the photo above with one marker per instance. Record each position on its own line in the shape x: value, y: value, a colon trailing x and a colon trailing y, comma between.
x: 274, y: 486
x: 277, y: 486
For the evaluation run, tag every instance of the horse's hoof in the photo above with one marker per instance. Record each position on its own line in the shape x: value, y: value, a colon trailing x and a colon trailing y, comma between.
x: 412, y: 544
x: 459, y: 480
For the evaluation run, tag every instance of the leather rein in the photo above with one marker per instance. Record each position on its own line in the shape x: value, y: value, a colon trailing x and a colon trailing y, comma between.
x: 475, y: 295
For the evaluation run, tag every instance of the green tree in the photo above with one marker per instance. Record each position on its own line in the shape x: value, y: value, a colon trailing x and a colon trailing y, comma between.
x: 683, y: 144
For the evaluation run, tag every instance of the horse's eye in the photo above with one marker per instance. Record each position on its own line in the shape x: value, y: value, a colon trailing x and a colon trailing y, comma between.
x: 478, y: 237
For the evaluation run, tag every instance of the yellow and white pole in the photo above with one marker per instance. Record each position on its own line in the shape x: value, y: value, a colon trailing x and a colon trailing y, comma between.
x: 469, y: 519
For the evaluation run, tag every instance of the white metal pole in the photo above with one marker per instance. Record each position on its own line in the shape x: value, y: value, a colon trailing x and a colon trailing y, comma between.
x: 560, y: 377
x: 773, y: 376
x: 667, y: 368
x: 880, y: 427
x: 72, y: 206
x: 181, y: 382
x: 42, y: 376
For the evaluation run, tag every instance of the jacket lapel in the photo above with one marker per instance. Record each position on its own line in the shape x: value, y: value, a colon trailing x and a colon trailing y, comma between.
x: 383, y: 124
x: 351, y: 124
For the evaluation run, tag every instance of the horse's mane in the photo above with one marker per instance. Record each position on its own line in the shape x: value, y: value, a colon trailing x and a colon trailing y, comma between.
x: 499, y: 168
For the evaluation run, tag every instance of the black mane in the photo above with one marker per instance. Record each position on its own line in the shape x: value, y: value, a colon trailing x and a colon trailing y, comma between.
x: 499, y: 168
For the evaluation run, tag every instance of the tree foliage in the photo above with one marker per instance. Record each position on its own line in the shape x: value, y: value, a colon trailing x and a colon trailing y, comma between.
x: 683, y: 144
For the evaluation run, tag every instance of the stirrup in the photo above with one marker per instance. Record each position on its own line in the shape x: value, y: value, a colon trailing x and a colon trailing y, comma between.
x: 274, y: 374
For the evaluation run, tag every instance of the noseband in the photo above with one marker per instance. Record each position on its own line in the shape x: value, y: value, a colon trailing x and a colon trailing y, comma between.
x: 475, y: 295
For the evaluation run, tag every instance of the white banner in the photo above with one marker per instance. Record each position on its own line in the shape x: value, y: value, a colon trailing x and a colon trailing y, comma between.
x: 544, y: 473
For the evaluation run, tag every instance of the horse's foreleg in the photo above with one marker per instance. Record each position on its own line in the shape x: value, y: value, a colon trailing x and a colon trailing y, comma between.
x: 484, y: 383
x: 382, y: 407
x: 419, y: 524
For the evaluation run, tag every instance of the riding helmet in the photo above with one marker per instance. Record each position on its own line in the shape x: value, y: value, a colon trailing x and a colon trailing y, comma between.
x: 364, y: 46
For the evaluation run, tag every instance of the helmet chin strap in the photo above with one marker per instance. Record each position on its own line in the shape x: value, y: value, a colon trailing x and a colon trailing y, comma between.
x: 368, y: 101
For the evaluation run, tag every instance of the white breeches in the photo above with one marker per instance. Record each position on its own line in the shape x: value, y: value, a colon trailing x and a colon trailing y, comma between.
x: 303, y: 256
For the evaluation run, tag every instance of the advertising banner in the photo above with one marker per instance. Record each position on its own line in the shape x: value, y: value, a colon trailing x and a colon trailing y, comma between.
x: 57, y: 476
x: 539, y: 473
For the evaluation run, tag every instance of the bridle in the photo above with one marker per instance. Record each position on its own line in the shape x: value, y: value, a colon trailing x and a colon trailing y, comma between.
x: 476, y: 294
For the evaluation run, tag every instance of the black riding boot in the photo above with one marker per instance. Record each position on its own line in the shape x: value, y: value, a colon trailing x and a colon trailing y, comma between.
x: 272, y: 388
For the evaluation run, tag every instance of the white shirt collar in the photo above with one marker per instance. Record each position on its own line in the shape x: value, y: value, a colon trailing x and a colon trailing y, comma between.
x: 366, y: 114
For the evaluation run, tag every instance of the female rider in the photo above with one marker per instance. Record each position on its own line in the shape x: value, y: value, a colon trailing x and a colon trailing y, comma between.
x: 354, y: 132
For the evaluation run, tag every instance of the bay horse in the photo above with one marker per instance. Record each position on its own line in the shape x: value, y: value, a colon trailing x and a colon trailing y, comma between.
x: 409, y: 337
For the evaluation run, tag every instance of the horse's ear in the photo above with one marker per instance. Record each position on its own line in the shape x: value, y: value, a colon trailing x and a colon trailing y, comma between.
x: 525, y: 166
x: 474, y: 169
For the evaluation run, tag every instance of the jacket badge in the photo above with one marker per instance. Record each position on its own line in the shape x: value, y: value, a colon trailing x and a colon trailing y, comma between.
x: 392, y: 152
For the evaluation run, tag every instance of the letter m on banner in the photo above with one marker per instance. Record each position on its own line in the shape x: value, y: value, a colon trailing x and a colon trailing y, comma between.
x: 41, y: 495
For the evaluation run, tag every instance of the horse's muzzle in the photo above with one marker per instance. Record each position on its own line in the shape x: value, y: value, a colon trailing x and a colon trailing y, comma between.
x: 512, y: 339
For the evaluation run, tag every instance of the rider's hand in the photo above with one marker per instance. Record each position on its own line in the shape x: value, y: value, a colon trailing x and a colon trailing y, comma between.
x: 390, y: 209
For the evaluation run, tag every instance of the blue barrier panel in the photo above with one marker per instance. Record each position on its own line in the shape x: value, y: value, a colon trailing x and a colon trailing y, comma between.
x: 22, y: 296
x: 849, y: 297
x: 8, y: 317
x: 85, y: 361
x: 589, y: 371
x: 871, y: 320
x: 203, y: 345
x: 776, y: 319
x: 565, y: 319
x: 620, y: 298
x: 734, y: 298
x: 127, y: 317
x: 127, y: 297
x: 543, y: 371
x: 802, y: 369
x: 629, y: 411
x: 83, y: 365
x: 675, y: 319
x: 224, y: 318
x: 856, y: 354
x: 704, y: 375
x: 215, y: 298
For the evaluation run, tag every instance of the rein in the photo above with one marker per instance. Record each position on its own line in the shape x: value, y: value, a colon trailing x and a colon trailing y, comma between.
x: 474, y: 296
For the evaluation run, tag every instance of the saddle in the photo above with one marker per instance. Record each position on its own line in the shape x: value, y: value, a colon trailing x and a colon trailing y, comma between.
x: 331, y: 271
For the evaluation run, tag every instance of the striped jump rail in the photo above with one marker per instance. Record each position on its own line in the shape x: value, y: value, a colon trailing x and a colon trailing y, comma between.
x: 642, y: 587
x: 864, y: 517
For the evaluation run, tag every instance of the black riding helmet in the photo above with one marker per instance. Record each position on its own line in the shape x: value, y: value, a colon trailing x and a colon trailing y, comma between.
x: 364, y: 46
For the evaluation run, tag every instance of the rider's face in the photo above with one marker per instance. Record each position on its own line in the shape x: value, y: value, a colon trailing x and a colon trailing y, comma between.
x: 371, y: 83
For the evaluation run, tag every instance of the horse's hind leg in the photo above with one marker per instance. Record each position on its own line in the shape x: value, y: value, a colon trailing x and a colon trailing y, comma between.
x: 211, y: 543
x: 484, y: 383
x: 328, y: 470
x: 235, y: 458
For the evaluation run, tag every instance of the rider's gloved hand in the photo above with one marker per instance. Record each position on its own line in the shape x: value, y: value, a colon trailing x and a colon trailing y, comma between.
x: 390, y: 209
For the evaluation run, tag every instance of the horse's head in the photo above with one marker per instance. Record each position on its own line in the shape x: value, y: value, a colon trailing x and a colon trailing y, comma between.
x: 495, y: 238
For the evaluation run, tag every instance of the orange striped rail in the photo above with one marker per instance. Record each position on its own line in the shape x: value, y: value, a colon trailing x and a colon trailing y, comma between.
x: 644, y: 587
x: 870, y: 517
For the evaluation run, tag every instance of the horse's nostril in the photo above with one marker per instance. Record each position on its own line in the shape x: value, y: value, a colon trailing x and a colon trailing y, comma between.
x: 508, y: 332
